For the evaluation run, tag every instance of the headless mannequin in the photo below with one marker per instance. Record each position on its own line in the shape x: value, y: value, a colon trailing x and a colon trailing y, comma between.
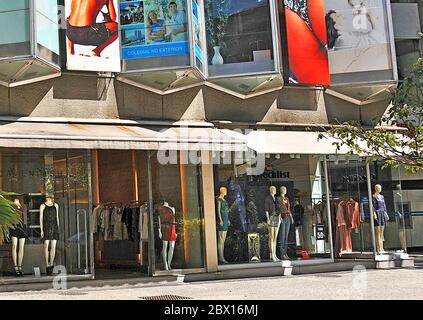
x: 168, y: 246
x: 379, y: 229
x: 273, y: 228
x: 18, y: 242
x: 49, y: 255
x: 222, y: 226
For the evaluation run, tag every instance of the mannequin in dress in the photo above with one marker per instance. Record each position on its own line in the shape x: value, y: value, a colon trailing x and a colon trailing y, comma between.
x: 286, y: 221
x: 19, y: 236
x: 222, y: 223
x: 273, y: 221
x: 49, y: 223
x: 380, y: 217
x: 167, y: 232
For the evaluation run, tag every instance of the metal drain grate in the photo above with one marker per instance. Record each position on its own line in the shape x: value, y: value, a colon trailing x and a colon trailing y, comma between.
x: 165, y: 297
x: 73, y: 294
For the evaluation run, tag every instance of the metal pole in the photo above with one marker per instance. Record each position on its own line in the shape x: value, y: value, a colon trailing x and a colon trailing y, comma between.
x: 91, y: 263
x: 328, y: 211
x: 151, y: 247
x: 371, y: 209
x: 402, y: 211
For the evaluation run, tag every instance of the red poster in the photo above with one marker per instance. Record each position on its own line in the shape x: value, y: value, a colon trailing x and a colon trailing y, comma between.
x: 307, y: 42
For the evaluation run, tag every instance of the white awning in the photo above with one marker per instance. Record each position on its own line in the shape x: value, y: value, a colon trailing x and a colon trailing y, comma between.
x: 122, y: 137
x: 289, y: 142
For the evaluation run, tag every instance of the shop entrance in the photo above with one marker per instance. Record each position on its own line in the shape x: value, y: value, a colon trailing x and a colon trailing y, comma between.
x: 120, y: 216
x: 352, y: 231
x: 148, y: 216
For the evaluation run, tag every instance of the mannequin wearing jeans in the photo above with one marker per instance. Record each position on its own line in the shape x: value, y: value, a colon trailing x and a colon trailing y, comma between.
x: 273, y: 221
x: 286, y: 221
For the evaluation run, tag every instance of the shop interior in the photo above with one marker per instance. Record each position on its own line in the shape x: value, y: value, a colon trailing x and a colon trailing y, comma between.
x: 125, y: 239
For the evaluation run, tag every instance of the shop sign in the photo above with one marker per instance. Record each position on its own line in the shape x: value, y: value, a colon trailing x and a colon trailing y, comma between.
x: 153, y: 28
x: 320, y: 232
x: 357, y: 178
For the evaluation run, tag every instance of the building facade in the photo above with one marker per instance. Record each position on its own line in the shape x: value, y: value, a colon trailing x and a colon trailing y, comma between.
x: 173, y: 137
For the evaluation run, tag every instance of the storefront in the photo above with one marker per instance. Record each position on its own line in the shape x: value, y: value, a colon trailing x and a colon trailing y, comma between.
x: 55, y: 231
x: 109, y: 212
x: 105, y: 211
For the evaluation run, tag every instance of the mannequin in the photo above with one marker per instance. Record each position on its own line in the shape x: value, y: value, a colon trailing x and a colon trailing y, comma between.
x: 49, y: 223
x: 286, y: 221
x: 222, y: 223
x: 273, y: 221
x: 167, y: 232
x: 19, y: 236
x: 380, y: 216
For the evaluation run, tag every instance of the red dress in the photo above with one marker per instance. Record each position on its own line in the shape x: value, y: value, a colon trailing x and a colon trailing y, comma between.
x: 168, y: 223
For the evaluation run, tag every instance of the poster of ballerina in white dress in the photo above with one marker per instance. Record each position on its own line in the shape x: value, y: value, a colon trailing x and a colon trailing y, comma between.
x: 358, y: 36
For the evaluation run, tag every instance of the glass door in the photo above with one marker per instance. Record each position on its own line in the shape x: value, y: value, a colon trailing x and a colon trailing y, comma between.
x: 72, y: 194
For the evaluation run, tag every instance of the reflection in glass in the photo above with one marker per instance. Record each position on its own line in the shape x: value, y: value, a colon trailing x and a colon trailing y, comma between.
x: 239, y: 37
x: 36, y: 175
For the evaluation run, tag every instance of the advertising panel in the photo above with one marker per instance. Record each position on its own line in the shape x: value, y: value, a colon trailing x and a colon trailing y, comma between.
x: 92, y: 35
x: 358, y: 36
x: 306, y: 41
x: 153, y: 28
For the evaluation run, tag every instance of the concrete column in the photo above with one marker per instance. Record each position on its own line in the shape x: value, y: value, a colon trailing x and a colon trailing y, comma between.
x: 210, y: 239
x: 94, y: 177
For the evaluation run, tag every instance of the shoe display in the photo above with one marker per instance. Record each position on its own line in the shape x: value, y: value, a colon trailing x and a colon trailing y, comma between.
x: 17, y: 272
x: 49, y: 270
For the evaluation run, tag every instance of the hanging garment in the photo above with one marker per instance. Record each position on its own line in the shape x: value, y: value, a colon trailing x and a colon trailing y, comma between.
x: 143, y: 225
x: 356, y: 217
x: 117, y: 224
x: 348, y: 207
x: 134, y: 224
x: 344, y: 234
x: 95, y: 219
x: 298, y: 213
x: 127, y: 220
x: 237, y: 198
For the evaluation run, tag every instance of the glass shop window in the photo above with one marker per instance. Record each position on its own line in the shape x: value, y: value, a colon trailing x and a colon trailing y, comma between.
x: 15, y: 28
x: 239, y: 37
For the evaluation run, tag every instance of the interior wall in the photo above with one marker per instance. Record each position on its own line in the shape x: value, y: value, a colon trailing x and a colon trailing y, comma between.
x: 115, y: 176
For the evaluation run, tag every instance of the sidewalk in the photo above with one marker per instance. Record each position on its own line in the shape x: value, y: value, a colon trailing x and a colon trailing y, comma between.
x: 143, y: 281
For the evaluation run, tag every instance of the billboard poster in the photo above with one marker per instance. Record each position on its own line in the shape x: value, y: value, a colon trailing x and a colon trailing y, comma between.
x: 92, y: 33
x: 153, y: 28
x: 358, y: 36
x: 197, y: 27
x: 307, y: 41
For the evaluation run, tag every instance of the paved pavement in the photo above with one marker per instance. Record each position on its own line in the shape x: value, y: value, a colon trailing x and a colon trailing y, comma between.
x: 400, y: 284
